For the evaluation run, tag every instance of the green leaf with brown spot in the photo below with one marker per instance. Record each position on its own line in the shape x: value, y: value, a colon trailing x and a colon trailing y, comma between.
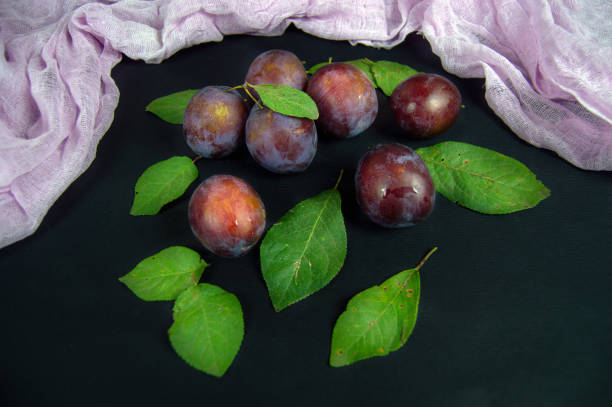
x: 378, y: 320
x: 287, y: 100
x: 171, y: 107
x: 389, y: 74
x: 482, y: 179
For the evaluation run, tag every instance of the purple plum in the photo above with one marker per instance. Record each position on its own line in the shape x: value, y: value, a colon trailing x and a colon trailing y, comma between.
x: 227, y: 215
x: 213, y: 122
x: 345, y: 98
x: 280, y: 143
x: 425, y: 105
x: 394, y: 187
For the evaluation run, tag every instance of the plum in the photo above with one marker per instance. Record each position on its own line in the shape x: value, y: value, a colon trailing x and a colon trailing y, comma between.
x: 425, y: 105
x: 213, y: 122
x: 393, y: 186
x: 345, y: 98
x: 277, y: 66
x: 227, y: 215
x: 280, y: 143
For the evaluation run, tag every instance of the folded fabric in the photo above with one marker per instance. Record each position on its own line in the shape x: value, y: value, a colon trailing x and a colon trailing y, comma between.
x: 546, y: 66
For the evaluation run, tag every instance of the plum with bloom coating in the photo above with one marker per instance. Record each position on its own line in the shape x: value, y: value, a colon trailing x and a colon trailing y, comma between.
x: 227, y: 215
x: 394, y: 187
x: 277, y: 66
x: 346, y: 99
x: 213, y: 122
x: 280, y: 143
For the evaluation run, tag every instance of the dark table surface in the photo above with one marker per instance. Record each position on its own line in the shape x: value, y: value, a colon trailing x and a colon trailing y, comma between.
x: 515, y: 310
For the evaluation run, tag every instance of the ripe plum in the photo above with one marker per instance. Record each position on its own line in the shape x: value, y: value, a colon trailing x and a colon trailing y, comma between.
x: 345, y: 98
x: 277, y: 66
x: 393, y: 186
x: 213, y: 122
x: 227, y: 215
x: 425, y: 105
x: 279, y: 143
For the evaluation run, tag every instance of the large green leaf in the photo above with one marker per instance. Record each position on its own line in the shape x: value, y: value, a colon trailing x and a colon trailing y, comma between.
x: 304, y: 250
x: 389, y: 74
x: 161, y: 183
x: 171, y: 107
x: 208, y: 328
x: 378, y: 320
x: 481, y: 179
x: 163, y: 276
x: 287, y: 100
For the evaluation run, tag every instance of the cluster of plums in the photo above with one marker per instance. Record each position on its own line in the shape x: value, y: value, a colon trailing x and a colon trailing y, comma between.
x: 394, y: 187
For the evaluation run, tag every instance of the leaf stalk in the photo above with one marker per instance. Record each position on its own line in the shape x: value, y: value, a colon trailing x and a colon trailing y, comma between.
x: 426, y: 257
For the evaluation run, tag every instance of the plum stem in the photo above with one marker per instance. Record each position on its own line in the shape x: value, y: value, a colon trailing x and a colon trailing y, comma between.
x: 426, y: 257
x: 245, y: 86
x: 339, y: 178
x: 196, y: 159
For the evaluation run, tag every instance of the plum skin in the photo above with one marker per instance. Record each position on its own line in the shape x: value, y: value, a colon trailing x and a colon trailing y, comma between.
x: 279, y: 143
x: 279, y: 67
x: 394, y: 187
x: 425, y: 105
x: 346, y: 99
x: 227, y: 215
x: 213, y: 121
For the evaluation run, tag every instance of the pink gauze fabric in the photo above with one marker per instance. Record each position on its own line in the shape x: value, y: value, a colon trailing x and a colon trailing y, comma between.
x: 546, y: 64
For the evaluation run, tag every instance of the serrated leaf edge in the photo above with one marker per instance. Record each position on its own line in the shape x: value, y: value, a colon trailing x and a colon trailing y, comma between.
x: 219, y: 372
x: 182, y: 175
x: 389, y: 305
x: 542, y: 191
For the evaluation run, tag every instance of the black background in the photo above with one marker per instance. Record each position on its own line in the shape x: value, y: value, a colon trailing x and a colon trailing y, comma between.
x: 515, y: 309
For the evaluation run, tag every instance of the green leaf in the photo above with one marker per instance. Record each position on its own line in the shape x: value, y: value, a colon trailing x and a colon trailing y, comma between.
x: 208, y: 328
x: 171, y: 107
x: 161, y: 183
x: 389, y: 74
x: 316, y: 67
x: 163, y: 276
x: 304, y: 250
x: 363, y: 63
x: 287, y: 100
x: 378, y: 320
x: 481, y: 179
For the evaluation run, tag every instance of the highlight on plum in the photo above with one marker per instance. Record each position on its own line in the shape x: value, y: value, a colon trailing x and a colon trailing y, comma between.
x: 394, y: 187
x: 227, y: 215
x: 214, y: 120
x: 279, y: 143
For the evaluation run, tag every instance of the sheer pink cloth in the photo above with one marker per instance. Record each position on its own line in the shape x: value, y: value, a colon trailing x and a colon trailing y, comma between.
x: 547, y: 66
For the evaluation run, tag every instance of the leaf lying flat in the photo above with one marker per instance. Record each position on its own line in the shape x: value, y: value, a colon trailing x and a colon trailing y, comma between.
x: 378, y: 320
x: 208, y: 328
x: 389, y: 74
x: 481, y: 179
x: 161, y: 183
x: 163, y: 276
x: 304, y: 250
x: 171, y: 107
x: 287, y: 100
